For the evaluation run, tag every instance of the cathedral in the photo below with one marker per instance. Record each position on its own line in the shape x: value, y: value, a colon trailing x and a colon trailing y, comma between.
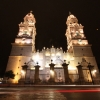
x: 52, y: 65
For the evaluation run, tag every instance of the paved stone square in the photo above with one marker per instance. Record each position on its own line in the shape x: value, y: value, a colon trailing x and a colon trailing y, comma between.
x: 50, y: 93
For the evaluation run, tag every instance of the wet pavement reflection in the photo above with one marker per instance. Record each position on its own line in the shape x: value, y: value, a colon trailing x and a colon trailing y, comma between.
x: 37, y: 93
x: 31, y: 95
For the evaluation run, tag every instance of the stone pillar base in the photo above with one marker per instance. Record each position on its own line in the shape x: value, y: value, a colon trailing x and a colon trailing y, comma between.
x: 96, y: 82
x: 82, y: 82
x: 68, y: 81
x: 21, y: 81
x: 51, y: 80
x: 37, y: 81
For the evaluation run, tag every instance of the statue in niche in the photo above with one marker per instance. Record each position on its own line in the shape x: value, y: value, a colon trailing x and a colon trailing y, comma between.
x: 84, y: 63
x: 83, y: 60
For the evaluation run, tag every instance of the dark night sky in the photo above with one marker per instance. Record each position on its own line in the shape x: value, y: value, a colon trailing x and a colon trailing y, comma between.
x: 51, y: 16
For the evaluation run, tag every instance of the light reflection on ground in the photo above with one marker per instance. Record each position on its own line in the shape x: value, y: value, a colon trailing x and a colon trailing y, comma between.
x: 37, y: 93
x: 32, y: 96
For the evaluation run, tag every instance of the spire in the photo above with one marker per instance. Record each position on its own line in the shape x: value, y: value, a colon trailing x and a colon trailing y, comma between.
x: 27, y: 27
x: 70, y: 13
x: 29, y: 18
x: 71, y: 19
x: 27, y: 30
x: 31, y: 11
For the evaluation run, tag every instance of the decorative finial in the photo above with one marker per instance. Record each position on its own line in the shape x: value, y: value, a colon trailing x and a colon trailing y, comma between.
x: 37, y: 50
x: 44, y: 48
x: 78, y: 62
x: 64, y: 61
x: 51, y: 60
x: 37, y: 63
x: 68, y: 62
x: 89, y: 63
x: 31, y: 11
x: 25, y: 63
x: 70, y: 13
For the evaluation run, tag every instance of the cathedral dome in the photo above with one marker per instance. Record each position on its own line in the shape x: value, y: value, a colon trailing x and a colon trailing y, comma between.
x: 71, y: 19
x: 29, y: 18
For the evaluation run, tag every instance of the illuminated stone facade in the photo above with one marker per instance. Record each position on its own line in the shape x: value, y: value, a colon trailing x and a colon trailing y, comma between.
x: 76, y: 65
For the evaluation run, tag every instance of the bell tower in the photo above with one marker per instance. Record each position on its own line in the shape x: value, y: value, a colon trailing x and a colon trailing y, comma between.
x: 27, y: 31
x: 75, y: 34
x: 78, y: 47
x: 23, y: 47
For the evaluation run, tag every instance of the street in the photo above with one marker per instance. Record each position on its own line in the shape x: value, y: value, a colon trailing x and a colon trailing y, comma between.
x: 49, y: 93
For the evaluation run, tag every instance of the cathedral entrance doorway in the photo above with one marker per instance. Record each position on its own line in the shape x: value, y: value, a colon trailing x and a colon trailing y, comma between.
x: 59, y: 75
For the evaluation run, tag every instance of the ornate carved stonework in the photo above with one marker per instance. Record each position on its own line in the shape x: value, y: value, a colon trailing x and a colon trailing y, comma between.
x: 74, y: 33
x: 27, y: 30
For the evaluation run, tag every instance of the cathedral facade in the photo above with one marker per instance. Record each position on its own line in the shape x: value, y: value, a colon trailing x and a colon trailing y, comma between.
x: 76, y: 65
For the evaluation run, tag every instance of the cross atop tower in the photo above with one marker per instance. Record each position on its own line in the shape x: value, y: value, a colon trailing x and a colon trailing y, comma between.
x: 70, y: 13
x: 31, y: 11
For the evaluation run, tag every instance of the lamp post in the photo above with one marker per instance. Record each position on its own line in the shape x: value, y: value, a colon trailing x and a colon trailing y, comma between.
x: 37, y: 79
x: 52, y: 75
x: 80, y: 72
x: 23, y: 74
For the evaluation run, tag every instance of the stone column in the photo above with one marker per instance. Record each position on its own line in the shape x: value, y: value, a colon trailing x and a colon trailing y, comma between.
x: 81, y: 76
x: 23, y: 74
x: 67, y: 79
x: 90, y: 69
x: 37, y: 79
x: 52, y: 74
x: 24, y: 68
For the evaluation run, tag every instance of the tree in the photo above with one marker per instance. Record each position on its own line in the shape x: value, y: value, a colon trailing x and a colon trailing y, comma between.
x: 9, y: 74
